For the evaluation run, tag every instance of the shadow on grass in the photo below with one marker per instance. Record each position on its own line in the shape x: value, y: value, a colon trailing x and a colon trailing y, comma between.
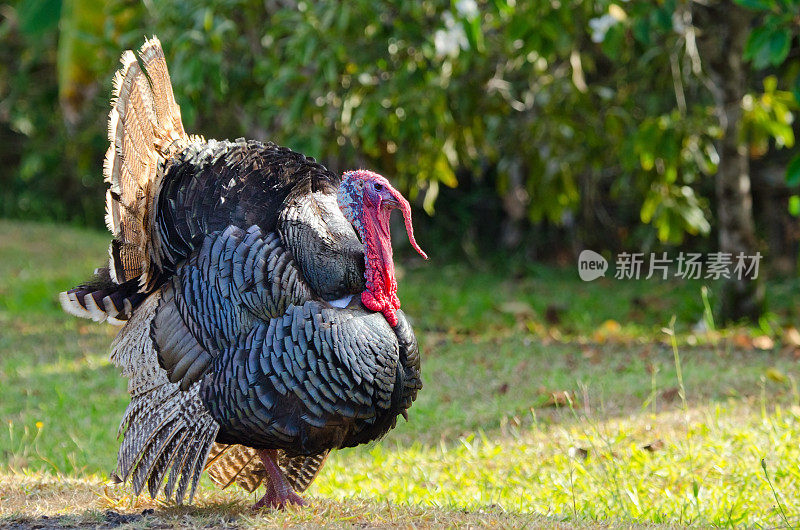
x: 212, y: 510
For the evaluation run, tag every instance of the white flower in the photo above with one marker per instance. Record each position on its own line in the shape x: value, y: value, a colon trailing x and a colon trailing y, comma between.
x: 467, y: 8
x: 600, y: 26
x: 450, y: 41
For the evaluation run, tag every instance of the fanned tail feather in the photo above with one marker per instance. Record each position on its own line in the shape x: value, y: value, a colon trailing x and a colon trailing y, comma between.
x: 144, y: 130
x: 301, y: 471
x: 228, y: 464
x: 235, y: 464
x: 168, y: 113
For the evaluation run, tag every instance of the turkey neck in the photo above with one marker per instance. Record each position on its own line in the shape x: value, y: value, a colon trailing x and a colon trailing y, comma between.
x: 381, y: 292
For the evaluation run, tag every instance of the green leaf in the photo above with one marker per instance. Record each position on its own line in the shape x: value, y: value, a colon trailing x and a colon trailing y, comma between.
x: 779, y: 46
x: 768, y: 45
x: 794, y: 205
x: 472, y: 28
x: 758, y: 5
x: 770, y: 84
x: 757, y: 47
x: 641, y: 30
x: 793, y: 172
x: 755, y: 41
x: 614, y: 41
x: 38, y: 16
x: 663, y: 16
x: 796, y: 89
x: 504, y: 7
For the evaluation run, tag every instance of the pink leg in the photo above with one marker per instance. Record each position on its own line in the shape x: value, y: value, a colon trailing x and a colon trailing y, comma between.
x: 279, y: 491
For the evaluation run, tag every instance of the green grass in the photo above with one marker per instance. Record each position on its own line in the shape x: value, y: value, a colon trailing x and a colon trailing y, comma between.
x: 487, y: 443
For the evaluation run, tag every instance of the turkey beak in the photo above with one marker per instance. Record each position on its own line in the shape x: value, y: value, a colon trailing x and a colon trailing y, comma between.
x: 388, y: 199
x: 391, y: 199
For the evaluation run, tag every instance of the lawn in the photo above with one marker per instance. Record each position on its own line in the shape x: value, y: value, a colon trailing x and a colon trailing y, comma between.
x: 548, y: 402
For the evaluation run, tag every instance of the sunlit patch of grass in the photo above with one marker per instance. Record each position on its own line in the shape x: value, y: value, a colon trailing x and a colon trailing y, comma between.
x: 657, y: 469
x: 547, y: 402
x: 654, y: 468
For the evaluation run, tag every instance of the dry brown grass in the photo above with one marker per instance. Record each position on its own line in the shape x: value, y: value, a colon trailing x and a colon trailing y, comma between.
x: 49, y: 501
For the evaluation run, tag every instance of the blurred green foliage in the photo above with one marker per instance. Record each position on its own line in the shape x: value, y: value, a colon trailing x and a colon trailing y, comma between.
x: 595, y: 115
x: 769, y: 46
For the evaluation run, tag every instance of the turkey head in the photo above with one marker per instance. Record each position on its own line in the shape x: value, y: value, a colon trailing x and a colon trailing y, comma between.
x: 367, y: 200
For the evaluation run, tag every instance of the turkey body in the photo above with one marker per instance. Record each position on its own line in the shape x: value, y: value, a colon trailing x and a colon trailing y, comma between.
x: 258, y: 246
x: 236, y: 277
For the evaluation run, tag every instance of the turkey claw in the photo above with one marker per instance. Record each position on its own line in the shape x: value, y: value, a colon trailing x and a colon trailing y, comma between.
x: 272, y: 501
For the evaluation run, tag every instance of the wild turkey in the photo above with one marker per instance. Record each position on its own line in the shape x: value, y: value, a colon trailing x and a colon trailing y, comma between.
x: 233, y: 268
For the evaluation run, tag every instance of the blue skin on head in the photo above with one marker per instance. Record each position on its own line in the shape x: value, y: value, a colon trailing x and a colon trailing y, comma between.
x: 364, y: 189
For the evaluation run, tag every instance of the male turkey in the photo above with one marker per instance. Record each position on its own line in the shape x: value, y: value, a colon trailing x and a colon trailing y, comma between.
x: 233, y: 268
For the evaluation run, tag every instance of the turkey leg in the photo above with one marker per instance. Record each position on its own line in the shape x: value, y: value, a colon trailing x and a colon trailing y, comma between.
x: 279, y: 491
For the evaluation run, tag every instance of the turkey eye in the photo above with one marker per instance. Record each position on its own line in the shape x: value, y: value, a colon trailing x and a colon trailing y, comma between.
x: 359, y: 184
x: 378, y: 187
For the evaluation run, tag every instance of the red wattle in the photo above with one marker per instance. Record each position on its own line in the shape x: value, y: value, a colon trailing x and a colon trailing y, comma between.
x: 381, y: 292
x: 367, y: 199
x: 387, y: 307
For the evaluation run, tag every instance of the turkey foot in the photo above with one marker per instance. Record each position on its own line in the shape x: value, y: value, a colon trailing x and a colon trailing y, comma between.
x: 279, y: 491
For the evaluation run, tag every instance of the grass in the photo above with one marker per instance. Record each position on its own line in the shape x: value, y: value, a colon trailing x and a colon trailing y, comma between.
x: 548, y: 402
